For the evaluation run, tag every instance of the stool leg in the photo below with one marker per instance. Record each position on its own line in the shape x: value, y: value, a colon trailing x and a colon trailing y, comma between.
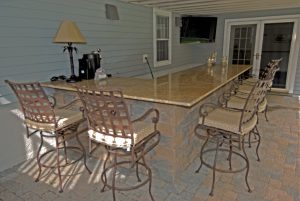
x: 84, y: 153
x: 247, y: 165
x: 58, y: 164
x: 104, y: 166
x: 249, y: 140
x: 150, y: 176
x: 90, y: 147
x: 27, y: 132
x: 38, y: 157
x: 214, y: 169
x: 258, y: 142
x: 266, y: 110
x: 137, y: 169
x: 114, y: 177
x: 202, y: 148
x: 230, y: 152
x: 65, y: 148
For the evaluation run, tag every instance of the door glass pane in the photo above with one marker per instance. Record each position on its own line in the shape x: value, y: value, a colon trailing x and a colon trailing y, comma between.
x: 244, y: 32
x: 242, y: 44
x: 249, y: 32
x: 277, y: 44
x: 248, y: 55
x: 241, y: 54
x: 237, y: 32
x: 242, y: 41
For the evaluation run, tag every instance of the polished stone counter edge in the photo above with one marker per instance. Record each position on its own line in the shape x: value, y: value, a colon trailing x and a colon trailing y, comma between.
x: 115, y: 82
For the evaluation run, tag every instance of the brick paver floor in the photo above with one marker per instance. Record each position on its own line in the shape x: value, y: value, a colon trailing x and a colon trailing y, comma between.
x: 276, y: 177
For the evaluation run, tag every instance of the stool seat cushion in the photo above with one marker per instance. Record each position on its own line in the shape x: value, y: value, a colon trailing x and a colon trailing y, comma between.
x: 228, y: 120
x: 238, y: 103
x: 251, y: 79
x: 244, y: 88
x: 141, y: 131
x: 64, y: 117
x: 248, y: 84
x: 262, y: 105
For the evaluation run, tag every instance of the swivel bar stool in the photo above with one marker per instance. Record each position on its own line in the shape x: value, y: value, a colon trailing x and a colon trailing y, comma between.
x: 269, y: 72
x: 110, y: 125
x: 237, y: 100
x: 60, y: 124
x: 274, y: 63
x: 228, y: 128
x: 237, y: 95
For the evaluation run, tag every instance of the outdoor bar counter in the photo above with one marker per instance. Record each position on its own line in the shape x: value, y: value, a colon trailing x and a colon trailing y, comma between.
x: 178, y: 97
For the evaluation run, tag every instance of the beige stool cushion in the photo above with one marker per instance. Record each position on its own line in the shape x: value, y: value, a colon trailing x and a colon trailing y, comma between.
x: 64, y: 118
x: 251, y: 79
x: 262, y: 105
x: 228, y: 120
x: 238, y: 103
x: 141, y: 131
x: 244, y: 88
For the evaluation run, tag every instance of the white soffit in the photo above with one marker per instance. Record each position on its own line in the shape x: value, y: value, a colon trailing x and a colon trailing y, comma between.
x: 209, y: 7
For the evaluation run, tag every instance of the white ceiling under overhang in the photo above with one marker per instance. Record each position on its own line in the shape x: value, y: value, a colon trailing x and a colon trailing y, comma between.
x: 215, y: 7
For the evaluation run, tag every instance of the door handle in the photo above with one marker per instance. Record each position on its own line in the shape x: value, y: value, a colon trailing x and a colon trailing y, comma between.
x: 257, y: 56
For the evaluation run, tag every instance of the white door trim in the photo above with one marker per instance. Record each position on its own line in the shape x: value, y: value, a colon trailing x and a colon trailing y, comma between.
x: 295, y: 53
x: 263, y: 18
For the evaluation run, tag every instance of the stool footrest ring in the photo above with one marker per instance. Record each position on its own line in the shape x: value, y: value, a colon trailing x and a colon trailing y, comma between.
x: 105, y: 182
x: 219, y: 169
x: 64, y: 165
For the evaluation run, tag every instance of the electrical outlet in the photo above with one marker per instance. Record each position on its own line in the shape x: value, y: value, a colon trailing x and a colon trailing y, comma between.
x: 144, y: 58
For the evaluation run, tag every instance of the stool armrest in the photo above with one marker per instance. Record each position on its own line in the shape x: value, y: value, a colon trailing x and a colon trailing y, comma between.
x: 234, y: 86
x: 154, y: 119
x: 224, y: 98
x: 66, y: 106
x: 206, y: 108
x: 52, y: 100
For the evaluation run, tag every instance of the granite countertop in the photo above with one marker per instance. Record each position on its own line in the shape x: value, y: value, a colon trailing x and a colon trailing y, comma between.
x: 183, y: 88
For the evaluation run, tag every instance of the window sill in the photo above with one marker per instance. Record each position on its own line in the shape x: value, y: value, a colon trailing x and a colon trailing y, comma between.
x: 162, y: 63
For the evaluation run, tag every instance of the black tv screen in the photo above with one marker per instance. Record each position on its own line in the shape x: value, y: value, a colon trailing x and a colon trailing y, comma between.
x: 198, y: 29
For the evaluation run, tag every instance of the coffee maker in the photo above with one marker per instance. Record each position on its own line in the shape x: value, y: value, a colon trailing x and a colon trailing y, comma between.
x: 88, y: 65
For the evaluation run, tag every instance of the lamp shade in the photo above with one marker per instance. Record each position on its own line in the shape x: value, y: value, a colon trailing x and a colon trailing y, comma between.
x: 68, y: 32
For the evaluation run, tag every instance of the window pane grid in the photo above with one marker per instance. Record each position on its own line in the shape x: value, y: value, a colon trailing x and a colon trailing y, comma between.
x: 162, y: 38
x: 243, y: 45
x: 162, y: 50
x: 162, y: 26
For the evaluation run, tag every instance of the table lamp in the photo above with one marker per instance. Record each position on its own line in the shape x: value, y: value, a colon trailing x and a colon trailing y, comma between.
x: 69, y: 33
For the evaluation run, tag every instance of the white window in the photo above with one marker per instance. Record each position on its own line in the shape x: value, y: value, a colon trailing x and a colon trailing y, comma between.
x: 162, y: 37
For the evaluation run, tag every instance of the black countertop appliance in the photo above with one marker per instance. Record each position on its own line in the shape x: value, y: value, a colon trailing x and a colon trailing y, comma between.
x: 89, y: 64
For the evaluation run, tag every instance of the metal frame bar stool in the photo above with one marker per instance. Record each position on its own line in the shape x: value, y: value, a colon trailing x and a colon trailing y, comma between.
x: 237, y: 100
x: 228, y: 128
x: 110, y: 125
x: 59, y: 123
x: 274, y: 63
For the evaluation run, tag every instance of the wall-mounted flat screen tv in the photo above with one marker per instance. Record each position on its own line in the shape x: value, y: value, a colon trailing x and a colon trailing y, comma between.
x: 198, y: 29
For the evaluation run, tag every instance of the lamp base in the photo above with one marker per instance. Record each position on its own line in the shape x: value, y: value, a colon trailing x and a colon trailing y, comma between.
x: 73, y: 79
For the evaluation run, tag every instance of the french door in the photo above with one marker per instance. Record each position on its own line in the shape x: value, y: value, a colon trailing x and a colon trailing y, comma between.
x: 256, y: 42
